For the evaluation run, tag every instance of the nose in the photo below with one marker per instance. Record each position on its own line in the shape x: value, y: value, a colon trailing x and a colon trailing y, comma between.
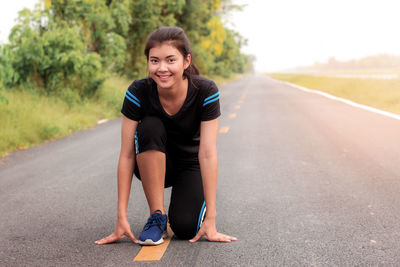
x: 163, y: 66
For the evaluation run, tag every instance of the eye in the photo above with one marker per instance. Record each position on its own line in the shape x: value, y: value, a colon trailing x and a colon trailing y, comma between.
x: 153, y: 60
x: 171, y: 60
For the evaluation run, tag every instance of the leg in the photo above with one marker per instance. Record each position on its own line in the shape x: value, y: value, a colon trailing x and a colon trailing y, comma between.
x: 150, y: 157
x: 187, y: 206
x: 152, y: 171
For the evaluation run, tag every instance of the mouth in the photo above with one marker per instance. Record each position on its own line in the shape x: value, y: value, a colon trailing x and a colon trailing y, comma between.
x: 163, y: 77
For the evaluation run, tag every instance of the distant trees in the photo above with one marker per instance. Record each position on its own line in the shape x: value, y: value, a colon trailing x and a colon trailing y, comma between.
x: 71, y: 45
x: 370, y: 63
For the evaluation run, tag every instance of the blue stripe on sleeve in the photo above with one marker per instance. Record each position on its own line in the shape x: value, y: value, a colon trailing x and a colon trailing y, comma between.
x: 132, y: 100
x: 214, y: 95
x: 131, y: 95
x: 210, y: 101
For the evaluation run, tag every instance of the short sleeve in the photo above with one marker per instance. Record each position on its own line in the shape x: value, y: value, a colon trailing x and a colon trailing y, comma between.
x: 210, y: 104
x: 132, y: 106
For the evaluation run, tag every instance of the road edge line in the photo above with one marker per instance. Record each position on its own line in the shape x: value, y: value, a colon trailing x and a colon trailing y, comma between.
x: 343, y: 100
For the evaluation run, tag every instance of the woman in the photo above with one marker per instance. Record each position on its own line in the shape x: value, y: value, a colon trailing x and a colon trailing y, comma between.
x: 169, y: 133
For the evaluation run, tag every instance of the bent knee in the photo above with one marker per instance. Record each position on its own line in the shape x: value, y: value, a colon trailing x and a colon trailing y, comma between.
x: 183, y: 228
x: 150, y: 135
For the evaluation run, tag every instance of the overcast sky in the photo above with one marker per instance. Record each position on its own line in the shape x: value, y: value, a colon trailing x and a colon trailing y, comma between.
x: 8, y: 14
x: 288, y: 33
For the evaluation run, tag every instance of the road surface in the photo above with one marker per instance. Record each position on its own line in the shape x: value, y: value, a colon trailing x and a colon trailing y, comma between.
x: 303, y: 181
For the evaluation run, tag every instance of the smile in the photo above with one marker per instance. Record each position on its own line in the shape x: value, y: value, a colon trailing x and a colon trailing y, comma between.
x: 163, y: 77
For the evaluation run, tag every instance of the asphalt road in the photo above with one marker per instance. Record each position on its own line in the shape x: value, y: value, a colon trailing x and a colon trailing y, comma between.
x: 303, y: 181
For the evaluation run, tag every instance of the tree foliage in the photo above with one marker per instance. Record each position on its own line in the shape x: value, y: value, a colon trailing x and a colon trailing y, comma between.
x: 51, y: 55
x: 65, y: 45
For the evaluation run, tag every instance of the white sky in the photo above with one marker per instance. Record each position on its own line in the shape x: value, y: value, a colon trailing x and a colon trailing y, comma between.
x: 9, y: 12
x: 289, y: 33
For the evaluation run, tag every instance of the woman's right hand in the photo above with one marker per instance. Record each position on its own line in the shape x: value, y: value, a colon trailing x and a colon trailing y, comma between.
x: 122, y: 229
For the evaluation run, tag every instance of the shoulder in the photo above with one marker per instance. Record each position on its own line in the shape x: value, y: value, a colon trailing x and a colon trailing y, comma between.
x: 205, y: 86
x: 202, y: 83
x: 140, y: 85
x: 209, y: 96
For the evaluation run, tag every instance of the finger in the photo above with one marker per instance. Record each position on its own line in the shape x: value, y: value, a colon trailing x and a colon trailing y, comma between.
x: 131, y: 236
x: 222, y: 238
x: 229, y: 238
x: 109, y: 239
x: 194, y: 239
x: 105, y: 240
x: 232, y: 238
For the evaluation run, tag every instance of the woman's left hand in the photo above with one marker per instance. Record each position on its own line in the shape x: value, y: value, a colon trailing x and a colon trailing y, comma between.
x: 209, y: 231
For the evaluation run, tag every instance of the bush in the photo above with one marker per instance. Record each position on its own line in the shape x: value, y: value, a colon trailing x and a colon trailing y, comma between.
x: 53, y: 58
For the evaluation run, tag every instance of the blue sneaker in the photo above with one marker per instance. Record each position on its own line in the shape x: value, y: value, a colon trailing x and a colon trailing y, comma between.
x: 155, y: 229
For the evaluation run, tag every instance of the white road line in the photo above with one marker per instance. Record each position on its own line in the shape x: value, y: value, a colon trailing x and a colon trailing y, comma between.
x: 346, y: 101
x: 102, y: 121
x: 223, y: 129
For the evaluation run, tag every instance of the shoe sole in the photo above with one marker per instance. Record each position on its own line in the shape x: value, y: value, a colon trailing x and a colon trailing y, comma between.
x: 149, y: 242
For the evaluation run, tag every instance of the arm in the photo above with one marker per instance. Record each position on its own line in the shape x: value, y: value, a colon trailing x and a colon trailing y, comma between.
x: 209, y: 164
x: 125, y: 172
x: 126, y: 164
x: 209, y: 171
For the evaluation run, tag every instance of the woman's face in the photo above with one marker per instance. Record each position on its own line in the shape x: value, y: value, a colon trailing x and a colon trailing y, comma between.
x: 166, y: 65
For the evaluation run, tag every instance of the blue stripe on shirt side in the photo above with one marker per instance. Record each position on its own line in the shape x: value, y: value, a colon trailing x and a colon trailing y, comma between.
x: 131, y: 95
x: 136, y: 143
x: 201, y: 215
x: 210, y: 101
x: 132, y: 100
x: 214, y: 95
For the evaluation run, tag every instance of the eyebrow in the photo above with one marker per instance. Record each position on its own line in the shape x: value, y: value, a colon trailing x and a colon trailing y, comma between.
x: 166, y: 57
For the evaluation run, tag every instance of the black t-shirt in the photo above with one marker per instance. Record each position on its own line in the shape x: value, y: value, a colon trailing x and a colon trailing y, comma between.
x: 183, y: 128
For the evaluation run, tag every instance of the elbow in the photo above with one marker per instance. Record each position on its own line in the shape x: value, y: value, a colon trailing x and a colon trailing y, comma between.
x: 207, y: 154
x: 128, y: 154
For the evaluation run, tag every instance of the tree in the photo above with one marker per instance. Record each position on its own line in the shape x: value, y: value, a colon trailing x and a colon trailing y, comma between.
x: 52, y: 55
x: 102, y: 24
x: 70, y: 45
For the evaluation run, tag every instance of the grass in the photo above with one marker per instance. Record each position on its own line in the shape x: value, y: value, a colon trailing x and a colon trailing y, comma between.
x: 383, y: 94
x: 219, y: 80
x: 30, y: 118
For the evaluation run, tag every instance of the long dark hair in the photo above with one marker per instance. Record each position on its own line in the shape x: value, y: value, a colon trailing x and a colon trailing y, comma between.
x: 176, y: 37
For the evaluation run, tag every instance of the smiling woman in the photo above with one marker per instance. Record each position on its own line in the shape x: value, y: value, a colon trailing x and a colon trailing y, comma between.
x: 169, y: 135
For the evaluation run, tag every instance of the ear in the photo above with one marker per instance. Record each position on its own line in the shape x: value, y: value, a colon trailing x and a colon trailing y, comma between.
x: 187, y: 61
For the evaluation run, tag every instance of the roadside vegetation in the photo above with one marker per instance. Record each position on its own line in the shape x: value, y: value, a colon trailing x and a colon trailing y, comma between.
x: 383, y: 94
x: 30, y: 118
x: 68, y: 63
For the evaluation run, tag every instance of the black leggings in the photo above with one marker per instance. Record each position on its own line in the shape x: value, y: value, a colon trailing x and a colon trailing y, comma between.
x: 187, y: 206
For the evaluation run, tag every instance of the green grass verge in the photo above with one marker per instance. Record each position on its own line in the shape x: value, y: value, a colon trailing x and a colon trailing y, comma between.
x: 219, y: 80
x: 30, y: 118
x: 378, y: 93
